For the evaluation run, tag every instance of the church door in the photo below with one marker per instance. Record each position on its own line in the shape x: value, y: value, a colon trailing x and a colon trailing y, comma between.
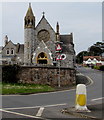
x: 42, y: 58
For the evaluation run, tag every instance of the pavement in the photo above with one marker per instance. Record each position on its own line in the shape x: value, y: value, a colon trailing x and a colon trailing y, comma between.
x: 97, y: 112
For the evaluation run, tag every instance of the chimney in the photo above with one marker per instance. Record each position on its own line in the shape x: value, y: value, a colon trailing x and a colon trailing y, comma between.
x: 6, y: 40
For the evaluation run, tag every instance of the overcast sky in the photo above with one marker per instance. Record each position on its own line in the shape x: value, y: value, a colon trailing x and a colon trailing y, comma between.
x: 83, y: 19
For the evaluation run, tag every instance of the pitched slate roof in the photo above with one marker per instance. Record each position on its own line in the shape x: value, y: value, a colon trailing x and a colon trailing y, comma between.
x: 92, y: 57
x: 43, y: 18
x: 67, y: 40
x: 20, y: 48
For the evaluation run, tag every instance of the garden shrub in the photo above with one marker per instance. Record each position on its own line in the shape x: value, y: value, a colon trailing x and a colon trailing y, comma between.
x: 97, y: 67
x: 102, y: 68
x: 9, y: 73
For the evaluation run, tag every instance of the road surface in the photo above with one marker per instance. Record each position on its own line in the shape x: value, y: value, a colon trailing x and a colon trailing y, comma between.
x: 49, y: 105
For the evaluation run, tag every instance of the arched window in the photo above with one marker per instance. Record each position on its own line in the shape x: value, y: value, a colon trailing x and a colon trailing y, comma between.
x: 28, y: 21
x: 25, y: 22
x: 7, y: 51
x: 42, y: 58
x: 32, y: 22
x: 12, y: 51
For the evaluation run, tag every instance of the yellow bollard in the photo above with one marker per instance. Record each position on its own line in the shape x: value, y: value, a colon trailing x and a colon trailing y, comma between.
x: 81, y: 98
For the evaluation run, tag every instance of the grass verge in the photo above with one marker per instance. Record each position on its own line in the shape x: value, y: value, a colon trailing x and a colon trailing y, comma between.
x: 9, y: 88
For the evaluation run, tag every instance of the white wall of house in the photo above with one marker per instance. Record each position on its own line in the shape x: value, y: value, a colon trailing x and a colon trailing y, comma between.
x: 93, y: 61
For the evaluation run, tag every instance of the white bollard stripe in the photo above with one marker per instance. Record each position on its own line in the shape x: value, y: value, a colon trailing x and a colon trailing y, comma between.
x: 81, y: 89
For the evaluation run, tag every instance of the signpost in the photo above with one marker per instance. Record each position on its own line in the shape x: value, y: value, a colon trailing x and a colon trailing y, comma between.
x: 59, y: 58
x: 58, y: 48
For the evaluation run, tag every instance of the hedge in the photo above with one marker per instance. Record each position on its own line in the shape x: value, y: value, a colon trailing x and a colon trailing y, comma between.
x: 9, y: 73
x: 101, y: 68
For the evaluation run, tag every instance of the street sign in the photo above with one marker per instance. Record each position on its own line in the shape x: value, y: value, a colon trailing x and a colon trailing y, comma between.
x: 63, y: 56
x: 59, y: 57
x: 58, y: 47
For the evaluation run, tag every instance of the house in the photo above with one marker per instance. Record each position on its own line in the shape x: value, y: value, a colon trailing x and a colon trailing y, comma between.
x: 93, y: 61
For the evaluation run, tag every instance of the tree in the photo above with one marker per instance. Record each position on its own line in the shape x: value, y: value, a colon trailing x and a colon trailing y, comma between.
x: 95, y: 51
x: 79, y: 57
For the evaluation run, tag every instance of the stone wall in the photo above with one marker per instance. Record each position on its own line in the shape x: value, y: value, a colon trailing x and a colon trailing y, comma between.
x: 46, y: 75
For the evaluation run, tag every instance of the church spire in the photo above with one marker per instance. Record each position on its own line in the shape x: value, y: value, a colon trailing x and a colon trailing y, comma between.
x: 29, y: 18
x: 29, y: 11
x: 29, y: 4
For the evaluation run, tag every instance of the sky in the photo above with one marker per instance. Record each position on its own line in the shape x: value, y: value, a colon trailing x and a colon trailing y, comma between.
x: 83, y: 19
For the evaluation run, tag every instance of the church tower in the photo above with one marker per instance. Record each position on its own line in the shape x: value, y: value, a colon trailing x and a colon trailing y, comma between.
x: 29, y: 35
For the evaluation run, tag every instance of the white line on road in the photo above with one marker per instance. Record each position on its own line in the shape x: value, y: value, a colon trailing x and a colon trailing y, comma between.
x: 97, y: 99
x: 40, y: 111
x: 25, y: 115
x: 91, y: 81
x: 36, y: 106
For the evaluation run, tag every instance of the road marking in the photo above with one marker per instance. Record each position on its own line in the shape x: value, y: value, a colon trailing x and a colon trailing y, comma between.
x: 25, y: 115
x: 40, y: 93
x: 97, y: 99
x: 40, y: 111
x: 36, y: 106
x: 90, y: 80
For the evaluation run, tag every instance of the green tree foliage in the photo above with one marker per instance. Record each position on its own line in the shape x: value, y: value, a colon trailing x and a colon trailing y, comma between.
x: 9, y: 73
x: 79, y: 57
x: 95, y: 51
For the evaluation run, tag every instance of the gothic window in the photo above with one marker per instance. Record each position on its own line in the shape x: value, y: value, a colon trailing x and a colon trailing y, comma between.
x: 25, y: 22
x: 7, y: 51
x: 12, y: 51
x: 28, y: 44
x: 28, y: 21
x: 32, y: 22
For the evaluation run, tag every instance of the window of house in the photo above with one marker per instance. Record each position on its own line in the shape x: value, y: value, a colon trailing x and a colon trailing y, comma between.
x: 7, y: 51
x: 12, y: 51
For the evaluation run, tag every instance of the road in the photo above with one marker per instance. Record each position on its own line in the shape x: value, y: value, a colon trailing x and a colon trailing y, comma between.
x: 49, y: 105
x: 94, y: 91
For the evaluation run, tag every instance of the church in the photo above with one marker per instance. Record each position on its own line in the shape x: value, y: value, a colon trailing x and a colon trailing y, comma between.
x: 44, y: 51
x: 42, y: 45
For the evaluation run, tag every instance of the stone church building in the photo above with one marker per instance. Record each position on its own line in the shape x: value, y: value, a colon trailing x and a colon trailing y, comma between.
x: 43, y: 46
x: 40, y: 44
